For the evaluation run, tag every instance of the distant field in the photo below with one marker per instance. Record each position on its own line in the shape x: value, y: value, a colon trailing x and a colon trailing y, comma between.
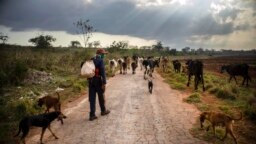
x: 214, y: 64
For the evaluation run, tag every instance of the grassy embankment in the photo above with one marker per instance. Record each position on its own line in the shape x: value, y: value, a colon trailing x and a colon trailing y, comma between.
x: 60, y: 68
x: 219, y: 96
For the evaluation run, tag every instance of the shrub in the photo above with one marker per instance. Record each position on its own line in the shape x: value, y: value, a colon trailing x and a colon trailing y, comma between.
x: 77, y: 87
x: 23, y: 107
x: 193, y: 98
x: 203, y: 107
x: 225, y: 94
x: 234, y: 89
x: 213, y: 90
x: 181, y: 78
x: 3, y: 78
x: 208, y: 86
x: 178, y: 86
x: 13, y: 73
x: 225, y: 109
x: 250, y: 111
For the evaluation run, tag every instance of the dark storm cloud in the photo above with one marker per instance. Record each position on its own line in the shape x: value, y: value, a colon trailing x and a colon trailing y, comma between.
x: 229, y: 13
x: 169, y: 23
x: 42, y: 14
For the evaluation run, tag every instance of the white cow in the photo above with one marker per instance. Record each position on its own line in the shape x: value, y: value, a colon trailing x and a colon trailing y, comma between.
x: 120, y: 63
x: 140, y: 59
x: 112, y: 66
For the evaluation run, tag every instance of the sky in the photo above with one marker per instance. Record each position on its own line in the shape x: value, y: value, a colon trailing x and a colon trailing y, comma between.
x: 211, y: 24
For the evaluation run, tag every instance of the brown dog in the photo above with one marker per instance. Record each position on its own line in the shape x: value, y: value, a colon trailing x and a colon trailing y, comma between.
x: 50, y: 102
x: 220, y: 119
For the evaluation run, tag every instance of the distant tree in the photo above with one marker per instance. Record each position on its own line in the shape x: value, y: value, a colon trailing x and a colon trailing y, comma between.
x: 145, y: 47
x: 158, y: 46
x: 185, y: 50
x: 42, y: 41
x: 173, y: 51
x: 90, y: 45
x: 84, y: 29
x: 200, y: 51
x: 192, y: 51
x: 119, y: 45
x: 167, y: 48
x: 3, y: 38
x: 96, y: 44
x: 75, y: 43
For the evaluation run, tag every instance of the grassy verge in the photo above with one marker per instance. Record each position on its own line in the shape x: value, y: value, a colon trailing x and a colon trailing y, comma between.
x: 219, y: 96
x: 45, y: 70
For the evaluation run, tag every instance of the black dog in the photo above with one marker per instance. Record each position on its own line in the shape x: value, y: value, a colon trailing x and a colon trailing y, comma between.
x: 42, y: 120
x: 150, y: 83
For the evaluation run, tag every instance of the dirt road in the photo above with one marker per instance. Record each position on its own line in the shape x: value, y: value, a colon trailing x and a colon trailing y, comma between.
x: 136, y: 116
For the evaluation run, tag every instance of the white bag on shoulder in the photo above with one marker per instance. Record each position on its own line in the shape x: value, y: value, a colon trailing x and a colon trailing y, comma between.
x: 88, y: 69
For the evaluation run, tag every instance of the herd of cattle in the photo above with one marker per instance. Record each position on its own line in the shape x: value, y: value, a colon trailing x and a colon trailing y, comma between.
x: 191, y: 68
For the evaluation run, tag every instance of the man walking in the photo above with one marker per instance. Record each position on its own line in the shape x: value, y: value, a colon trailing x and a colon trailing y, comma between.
x: 97, y: 84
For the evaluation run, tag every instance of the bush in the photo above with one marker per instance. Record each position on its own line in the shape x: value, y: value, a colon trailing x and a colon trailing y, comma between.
x: 250, y: 111
x: 203, y: 107
x: 14, y: 73
x: 77, y: 87
x: 22, y: 107
x: 178, y: 86
x: 19, y: 72
x: 193, y: 98
x: 3, y: 78
x: 225, y: 94
x: 208, y: 86
x: 225, y: 109
x: 234, y: 89
x: 213, y: 90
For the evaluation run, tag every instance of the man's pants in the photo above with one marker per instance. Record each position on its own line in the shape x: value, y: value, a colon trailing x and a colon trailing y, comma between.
x: 94, y: 88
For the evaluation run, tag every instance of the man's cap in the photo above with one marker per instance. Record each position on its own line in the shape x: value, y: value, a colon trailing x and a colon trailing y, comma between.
x: 101, y: 51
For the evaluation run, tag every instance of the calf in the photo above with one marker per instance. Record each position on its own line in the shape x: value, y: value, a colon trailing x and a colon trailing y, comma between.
x: 127, y: 60
x: 112, y: 66
x: 176, y: 66
x: 164, y: 64
x: 120, y: 63
x: 140, y: 61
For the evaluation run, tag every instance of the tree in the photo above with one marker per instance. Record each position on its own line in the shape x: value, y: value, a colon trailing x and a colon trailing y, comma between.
x: 75, y: 43
x: 84, y: 29
x: 193, y: 51
x: 173, y: 51
x: 200, y: 51
x: 158, y: 46
x: 3, y: 38
x: 42, y: 41
x: 119, y: 45
x: 186, y: 49
x: 96, y: 44
x: 90, y: 45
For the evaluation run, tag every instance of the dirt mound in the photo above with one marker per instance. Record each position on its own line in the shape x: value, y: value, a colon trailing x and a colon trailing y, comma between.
x: 38, y: 77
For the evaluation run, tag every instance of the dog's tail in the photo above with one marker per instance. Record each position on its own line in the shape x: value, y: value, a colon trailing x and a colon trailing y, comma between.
x: 18, y: 131
x: 241, y: 116
x: 58, y: 95
x: 59, y: 105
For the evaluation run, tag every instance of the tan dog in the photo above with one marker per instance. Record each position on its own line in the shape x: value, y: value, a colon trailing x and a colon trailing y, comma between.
x: 220, y: 119
x: 50, y: 102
